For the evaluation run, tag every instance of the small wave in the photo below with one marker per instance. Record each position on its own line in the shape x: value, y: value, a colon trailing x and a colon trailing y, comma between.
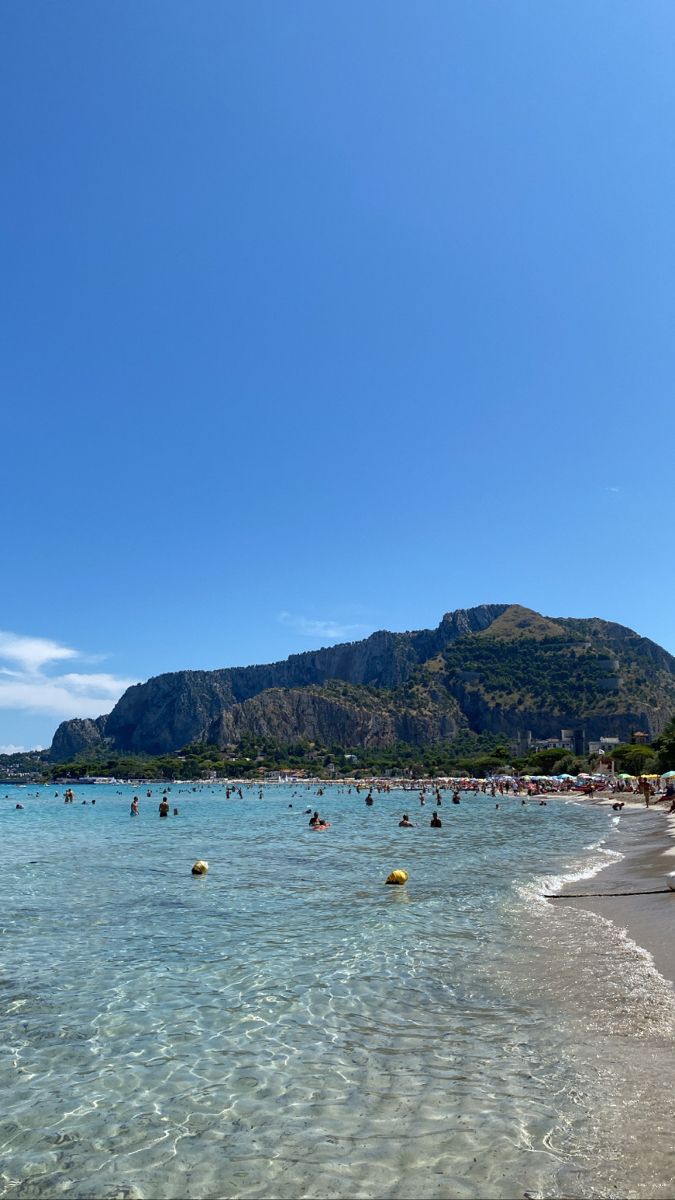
x: 534, y: 890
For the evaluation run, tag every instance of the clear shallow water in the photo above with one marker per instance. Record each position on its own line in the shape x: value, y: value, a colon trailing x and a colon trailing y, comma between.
x: 289, y: 1026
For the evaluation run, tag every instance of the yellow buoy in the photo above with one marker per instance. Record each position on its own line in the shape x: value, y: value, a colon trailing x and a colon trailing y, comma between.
x: 397, y: 877
x: 200, y: 867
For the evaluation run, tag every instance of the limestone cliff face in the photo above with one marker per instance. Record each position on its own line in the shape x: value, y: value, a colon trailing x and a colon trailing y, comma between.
x: 514, y: 723
x: 73, y: 736
x: 172, y: 710
x: 293, y: 714
x: 168, y: 711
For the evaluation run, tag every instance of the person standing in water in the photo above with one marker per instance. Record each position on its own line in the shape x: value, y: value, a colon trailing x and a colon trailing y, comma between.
x: 134, y: 811
x: 164, y: 807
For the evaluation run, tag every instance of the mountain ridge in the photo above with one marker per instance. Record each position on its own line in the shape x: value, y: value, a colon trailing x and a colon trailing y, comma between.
x: 492, y: 668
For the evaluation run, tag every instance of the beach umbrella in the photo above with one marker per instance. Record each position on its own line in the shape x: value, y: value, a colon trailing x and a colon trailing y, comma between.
x: 668, y: 775
x: 564, y: 776
x: 624, y: 776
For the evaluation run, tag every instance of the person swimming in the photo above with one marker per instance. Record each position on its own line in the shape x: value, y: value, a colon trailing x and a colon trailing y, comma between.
x: 435, y: 822
x: 315, y: 819
x: 405, y: 822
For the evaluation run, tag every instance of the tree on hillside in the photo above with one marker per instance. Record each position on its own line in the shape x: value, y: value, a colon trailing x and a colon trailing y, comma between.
x: 634, y: 760
x: 665, y: 748
x: 568, y: 764
x: 541, y: 762
x: 483, y: 764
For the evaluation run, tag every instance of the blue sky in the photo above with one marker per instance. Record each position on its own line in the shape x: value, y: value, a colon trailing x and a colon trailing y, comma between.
x: 323, y: 318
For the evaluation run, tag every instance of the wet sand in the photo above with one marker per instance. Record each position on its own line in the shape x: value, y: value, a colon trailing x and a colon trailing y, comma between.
x: 646, y: 839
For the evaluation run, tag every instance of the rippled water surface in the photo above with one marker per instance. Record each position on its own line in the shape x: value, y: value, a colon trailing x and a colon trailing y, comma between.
x: 289, y: 1026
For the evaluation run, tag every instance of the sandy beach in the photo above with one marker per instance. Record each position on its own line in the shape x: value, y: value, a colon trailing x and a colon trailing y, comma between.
x: 646, y: 840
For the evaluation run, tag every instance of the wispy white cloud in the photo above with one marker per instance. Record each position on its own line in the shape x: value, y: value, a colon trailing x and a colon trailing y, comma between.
x: 32, y: 653
x: 321, y: 629
x: 31, y: 682
x: 103, y: 685
x: 11, y: 749
x: 613, y: 489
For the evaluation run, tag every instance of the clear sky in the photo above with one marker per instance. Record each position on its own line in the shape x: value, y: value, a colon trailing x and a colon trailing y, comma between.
x: 319, y: 318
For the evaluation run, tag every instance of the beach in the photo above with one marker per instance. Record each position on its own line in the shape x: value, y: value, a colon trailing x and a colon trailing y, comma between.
x: 646, y: 841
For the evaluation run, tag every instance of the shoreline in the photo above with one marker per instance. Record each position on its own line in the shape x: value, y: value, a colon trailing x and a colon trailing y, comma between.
x: 648, y: 849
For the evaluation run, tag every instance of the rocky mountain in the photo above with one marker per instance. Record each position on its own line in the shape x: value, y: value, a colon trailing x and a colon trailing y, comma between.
x: 496, y: 668
x: 346, y: 714
x: 72, y: 737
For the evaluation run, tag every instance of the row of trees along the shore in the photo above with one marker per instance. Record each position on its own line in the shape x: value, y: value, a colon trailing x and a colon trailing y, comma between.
x: 468, y: 754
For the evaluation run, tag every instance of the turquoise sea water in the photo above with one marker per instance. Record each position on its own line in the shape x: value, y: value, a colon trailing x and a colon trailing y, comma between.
x: 289, y: 1026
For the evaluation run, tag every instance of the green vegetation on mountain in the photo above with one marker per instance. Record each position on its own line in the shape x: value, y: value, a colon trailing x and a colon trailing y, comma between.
x: 665, y: 748
x: 517, y: 623
x: 543, y: 674
x: 24, y: 765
